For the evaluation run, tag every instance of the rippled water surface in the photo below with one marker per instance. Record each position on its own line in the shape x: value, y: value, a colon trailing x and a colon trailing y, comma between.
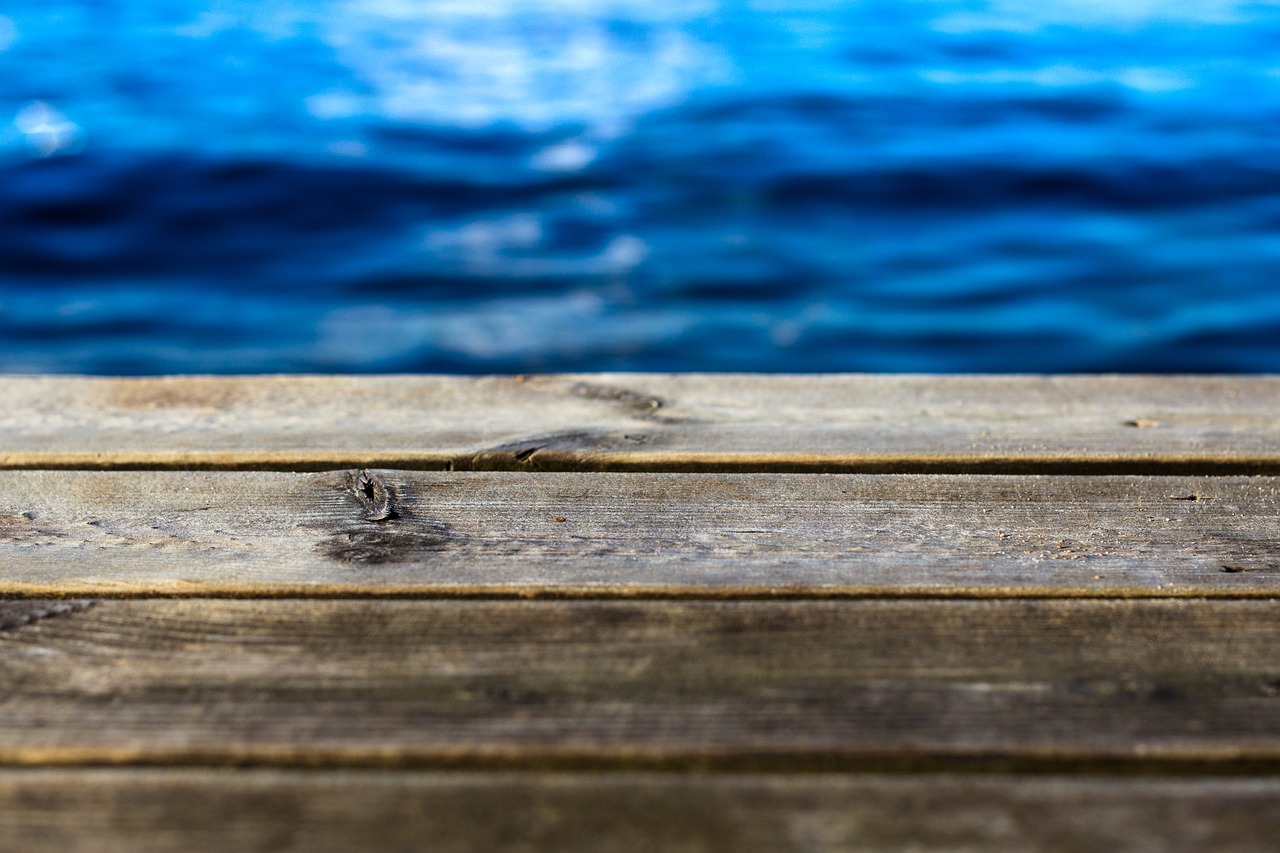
x: 387, y: 185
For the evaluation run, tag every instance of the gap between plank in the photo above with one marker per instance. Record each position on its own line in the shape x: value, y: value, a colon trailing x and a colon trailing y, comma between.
x: 1226, y: 763
x: 683, y: 463
x: 90, y: 594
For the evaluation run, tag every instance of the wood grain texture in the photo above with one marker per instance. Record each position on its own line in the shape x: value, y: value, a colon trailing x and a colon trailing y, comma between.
x: 921, y: 424
x: 852, y: 685
x: 77, y: 533
x: 112, y: 810
x: 970, y: 602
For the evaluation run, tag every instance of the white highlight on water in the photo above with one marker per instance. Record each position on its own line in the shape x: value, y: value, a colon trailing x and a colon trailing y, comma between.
x: 48, y: 131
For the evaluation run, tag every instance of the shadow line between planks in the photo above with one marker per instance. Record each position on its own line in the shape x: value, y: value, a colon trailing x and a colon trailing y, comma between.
x: 1188, y: 764
x: 689, y: 463
x: 593, y: 593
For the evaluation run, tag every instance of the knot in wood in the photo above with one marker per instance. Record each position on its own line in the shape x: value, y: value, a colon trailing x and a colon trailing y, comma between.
x: 374, y: 496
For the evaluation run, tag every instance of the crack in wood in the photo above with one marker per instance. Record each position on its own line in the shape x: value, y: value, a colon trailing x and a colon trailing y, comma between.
x: 527, y: 454
x: 566, y: 447
x: 641, y: 406
x: 640, y: 403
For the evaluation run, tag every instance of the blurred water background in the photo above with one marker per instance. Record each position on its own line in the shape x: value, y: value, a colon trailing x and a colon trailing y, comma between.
x: 512, y: 185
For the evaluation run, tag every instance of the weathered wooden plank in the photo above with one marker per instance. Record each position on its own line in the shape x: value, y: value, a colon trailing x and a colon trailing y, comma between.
x: 837, y: 685
x: 1104, y: 424
x: 183, y: 810
x: 77, y: 533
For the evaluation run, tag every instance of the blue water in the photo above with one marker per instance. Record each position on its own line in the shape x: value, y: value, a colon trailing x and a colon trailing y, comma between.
x: 493, y: 185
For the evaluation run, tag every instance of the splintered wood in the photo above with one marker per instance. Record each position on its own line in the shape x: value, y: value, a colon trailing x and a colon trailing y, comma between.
x: 639, y: 612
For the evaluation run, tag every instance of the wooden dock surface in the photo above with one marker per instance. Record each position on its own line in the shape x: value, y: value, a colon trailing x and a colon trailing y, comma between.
x: 635, y: 612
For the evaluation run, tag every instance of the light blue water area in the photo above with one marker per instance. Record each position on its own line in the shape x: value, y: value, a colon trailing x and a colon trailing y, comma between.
x: 520, y: 185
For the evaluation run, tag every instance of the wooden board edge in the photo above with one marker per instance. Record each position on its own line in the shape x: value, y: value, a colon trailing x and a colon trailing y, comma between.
x: 1208, y: 464
x: 618, y: 592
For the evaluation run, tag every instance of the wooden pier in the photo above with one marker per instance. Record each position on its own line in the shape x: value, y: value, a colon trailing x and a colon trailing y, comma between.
x: 640, y: 612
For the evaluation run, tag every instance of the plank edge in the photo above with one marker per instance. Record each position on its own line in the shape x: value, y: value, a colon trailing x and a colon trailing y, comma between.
x: 621, y: 592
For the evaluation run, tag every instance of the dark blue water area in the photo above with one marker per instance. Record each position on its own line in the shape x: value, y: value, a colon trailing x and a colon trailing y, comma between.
x: 507, y: 186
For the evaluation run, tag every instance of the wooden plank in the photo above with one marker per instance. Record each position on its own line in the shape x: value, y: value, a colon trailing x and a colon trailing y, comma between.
x: 846, y: 685
x: 1020, y: 424
x: 77, y: 533
x: 183, y: 810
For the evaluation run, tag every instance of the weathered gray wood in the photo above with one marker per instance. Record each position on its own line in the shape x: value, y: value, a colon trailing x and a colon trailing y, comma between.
x: 798, y: 685
x: 82, y: 533
x: 183, y: 810
x: 375, y: 697
x: 649, y: 422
